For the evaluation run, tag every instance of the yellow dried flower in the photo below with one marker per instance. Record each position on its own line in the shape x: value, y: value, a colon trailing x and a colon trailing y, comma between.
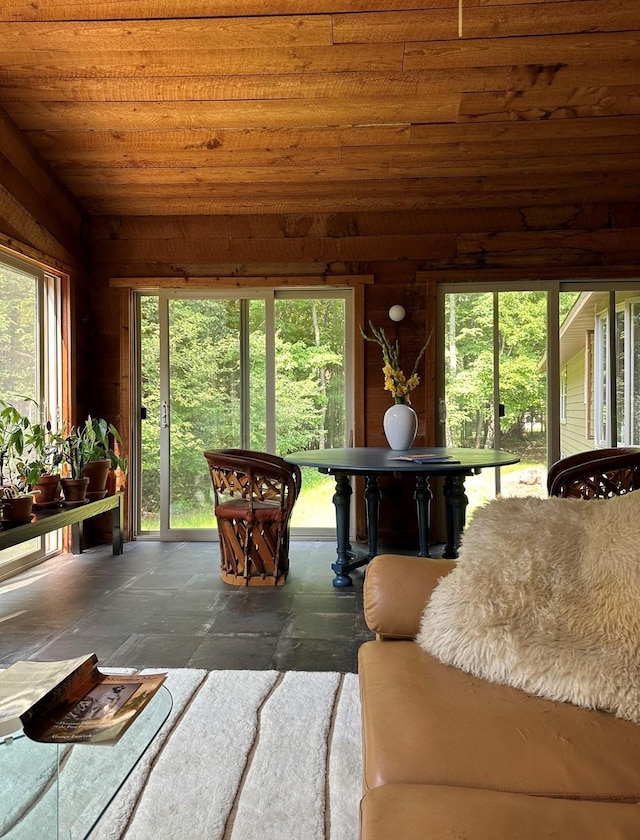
x: 394, y: 379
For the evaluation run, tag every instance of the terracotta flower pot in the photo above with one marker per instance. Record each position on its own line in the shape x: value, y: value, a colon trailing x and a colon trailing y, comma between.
x: 17, y: 510
x: 47, y: 488
x: 74, y: 489
x: 97, y: 472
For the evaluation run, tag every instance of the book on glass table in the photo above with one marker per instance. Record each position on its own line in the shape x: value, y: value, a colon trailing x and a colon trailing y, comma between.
x: 425, y: 458
x: 72, y: 701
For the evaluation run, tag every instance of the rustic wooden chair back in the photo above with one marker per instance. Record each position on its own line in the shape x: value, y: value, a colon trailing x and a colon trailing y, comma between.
x: 596, y: 474
x: 253, y: 501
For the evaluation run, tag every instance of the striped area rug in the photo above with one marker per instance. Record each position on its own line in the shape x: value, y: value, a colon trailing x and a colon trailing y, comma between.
x: 244, y: 755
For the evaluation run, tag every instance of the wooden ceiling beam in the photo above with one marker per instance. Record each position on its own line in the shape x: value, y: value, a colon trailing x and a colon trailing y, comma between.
x: 84, y: 10
x: 480, y: 21
x: 371, y: 224
x: 551, y: 103
x: 594, y: 151
x: 369, y: 197
x: 239, y: 87
x: 182, y: 33
x: 93, y: 179
x: 581, y: 146
x: 520, y: 131
x: 236, y: 59
x: 227, y: 140
x: 116, y: 116
x: 549, y: 51
x: 217, y: 87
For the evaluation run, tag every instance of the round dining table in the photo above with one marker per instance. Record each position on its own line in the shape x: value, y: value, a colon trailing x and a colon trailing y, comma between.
x: 451, y: 463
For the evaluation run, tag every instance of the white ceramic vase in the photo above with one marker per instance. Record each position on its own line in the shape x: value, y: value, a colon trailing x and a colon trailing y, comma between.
x: 400, y: 426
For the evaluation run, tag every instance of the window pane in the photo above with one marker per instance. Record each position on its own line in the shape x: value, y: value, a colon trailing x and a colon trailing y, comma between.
x: 205, y: 400
x: 491, y: 375
x: 620, y: 376
x: 18, y: 334
x: 635, y: 375
x: 310, y: 394
x: 150, y: 427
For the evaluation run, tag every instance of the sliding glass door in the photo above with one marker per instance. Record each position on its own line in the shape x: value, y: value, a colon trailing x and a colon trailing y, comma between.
x: 543, y: 372
x: 267, y: 371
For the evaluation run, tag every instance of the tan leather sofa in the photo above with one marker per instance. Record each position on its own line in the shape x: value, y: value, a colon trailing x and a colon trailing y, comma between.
x: 449, y: 756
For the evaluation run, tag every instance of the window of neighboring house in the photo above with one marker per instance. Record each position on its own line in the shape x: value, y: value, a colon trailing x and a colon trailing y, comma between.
x: 626, y: 373
x: 588, y: 385
x: 30, y: 366
x: 563, y: 395
x: 631, y: 393
x: 600, y: 380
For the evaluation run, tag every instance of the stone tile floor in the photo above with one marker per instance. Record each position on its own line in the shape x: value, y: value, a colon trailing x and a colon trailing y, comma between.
x: 164, y: 605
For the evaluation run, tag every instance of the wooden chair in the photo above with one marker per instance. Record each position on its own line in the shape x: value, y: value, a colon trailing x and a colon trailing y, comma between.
x: 254, y: 495
x: 596, y: 474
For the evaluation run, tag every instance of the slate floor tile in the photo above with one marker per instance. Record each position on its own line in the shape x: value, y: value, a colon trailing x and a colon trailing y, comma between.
x: 163, y: 605
x: 234, y: 653
x: 157, y: 651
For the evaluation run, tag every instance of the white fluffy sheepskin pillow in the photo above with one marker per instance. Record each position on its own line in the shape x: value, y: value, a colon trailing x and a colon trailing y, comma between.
x: 546, y: 598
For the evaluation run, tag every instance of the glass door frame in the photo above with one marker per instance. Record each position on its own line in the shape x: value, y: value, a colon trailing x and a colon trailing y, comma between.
x: 270, y: 296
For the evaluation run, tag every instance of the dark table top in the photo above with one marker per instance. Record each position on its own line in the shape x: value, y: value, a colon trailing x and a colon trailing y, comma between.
x: 361, y: 460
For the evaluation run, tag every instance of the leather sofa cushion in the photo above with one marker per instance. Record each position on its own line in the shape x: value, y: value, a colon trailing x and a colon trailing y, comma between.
x: 396, y: 590
x: 415, y: 812
x: 429, y: 723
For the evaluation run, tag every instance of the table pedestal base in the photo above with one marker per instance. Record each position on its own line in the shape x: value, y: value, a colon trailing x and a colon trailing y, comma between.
x: 347, y: 559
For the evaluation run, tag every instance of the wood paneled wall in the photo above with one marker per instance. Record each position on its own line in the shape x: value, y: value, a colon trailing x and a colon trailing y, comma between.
x: 38, y: 216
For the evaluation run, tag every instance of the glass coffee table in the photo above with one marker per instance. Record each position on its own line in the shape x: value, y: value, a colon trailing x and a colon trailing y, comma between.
x: 60, y: 791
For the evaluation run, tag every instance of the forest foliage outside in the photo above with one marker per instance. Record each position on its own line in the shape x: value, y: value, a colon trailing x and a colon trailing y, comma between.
x: 470, y: 372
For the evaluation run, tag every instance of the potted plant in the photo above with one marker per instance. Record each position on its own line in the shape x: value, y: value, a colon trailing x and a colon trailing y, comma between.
x: 89, y: 457
x: 16, y: 493
x: 74, y: 483
x: 43, y: 458
x: 100, y: 456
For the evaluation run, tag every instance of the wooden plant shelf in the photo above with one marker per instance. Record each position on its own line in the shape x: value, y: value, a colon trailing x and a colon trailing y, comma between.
x: 45, y: 521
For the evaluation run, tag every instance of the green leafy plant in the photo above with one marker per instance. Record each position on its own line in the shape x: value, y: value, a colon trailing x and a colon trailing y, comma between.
x: 43, y: 454
x: 98, y: 435
x: 92, y: 442
x: 14, y: 428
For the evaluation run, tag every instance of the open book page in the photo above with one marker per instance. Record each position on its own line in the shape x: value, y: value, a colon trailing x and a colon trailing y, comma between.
x: 98, y: 711
x: 23, y: 684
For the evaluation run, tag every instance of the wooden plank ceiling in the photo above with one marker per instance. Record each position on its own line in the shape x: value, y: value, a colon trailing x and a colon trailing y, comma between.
x: 160, y: 107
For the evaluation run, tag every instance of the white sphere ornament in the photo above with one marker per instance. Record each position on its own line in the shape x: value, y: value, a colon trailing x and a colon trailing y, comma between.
x: 397, y: 313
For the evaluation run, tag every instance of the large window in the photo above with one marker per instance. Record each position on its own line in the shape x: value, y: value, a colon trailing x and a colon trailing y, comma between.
x: 30, y: 365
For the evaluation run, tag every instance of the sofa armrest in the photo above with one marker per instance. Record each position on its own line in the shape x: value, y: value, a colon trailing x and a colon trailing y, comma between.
x: 396, y: 590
